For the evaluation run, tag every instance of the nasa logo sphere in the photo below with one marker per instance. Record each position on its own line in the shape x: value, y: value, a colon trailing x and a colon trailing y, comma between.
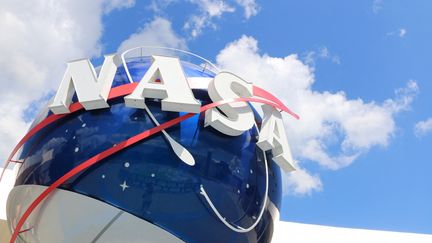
x: 126, y: 174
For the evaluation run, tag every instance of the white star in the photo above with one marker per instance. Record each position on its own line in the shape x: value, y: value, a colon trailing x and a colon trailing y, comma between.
x: 124, y: 185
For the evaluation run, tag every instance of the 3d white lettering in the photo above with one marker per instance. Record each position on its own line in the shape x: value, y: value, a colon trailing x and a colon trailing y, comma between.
x: 80, y: 77
x: 237, y: 117
x: 272, y: 137
x: 165, y: 80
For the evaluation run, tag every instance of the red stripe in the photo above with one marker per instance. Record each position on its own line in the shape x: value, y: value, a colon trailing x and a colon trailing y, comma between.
x: 22, y: 231
x: 17, y: 161
x: 257, y: 91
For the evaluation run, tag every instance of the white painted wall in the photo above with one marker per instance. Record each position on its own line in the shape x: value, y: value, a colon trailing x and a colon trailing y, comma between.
x: 286, y: 232
x: 6, y: 185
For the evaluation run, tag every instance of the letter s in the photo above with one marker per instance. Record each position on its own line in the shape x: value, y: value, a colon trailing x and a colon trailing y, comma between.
x: 235, y: 118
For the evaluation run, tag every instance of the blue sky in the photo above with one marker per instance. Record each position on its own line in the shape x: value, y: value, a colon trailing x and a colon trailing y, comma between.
x: 387, y: 188
x: 359, y: 74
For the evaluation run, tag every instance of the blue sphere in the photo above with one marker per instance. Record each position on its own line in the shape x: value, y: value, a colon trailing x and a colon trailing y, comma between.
x: 148, y: 180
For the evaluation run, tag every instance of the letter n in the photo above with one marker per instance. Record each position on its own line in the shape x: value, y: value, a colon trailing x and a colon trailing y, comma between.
x: 81, y: 78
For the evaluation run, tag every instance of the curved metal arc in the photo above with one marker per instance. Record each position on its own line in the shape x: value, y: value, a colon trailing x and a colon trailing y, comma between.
x: 237, y: 228
x: 161, y: 48
x: 181, y: 152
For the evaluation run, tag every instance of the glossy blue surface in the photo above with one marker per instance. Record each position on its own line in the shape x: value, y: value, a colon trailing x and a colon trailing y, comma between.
x: 160, y: 188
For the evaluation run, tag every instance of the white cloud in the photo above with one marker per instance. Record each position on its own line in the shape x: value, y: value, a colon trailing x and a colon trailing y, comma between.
x: 400, y: 32
x: 159, y: 5
x: 301, y: 182
x: 333, y: 130
x: 422, y: 128
x: 205, y: 12
x: 322, y: 53
x: 208, y: 11
x: 156, y: 33
x: 250, y: 7
x: 39, y: 38
x: 377, y: 5
x: 404, y: 97
x: 111, y: 5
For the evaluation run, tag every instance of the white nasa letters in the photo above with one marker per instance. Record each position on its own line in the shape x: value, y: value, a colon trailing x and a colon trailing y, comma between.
x: 237, y: 117
x: 172, y: 87
x: 272, y: 137
x: 165, y: 80
x: 80, y: 77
